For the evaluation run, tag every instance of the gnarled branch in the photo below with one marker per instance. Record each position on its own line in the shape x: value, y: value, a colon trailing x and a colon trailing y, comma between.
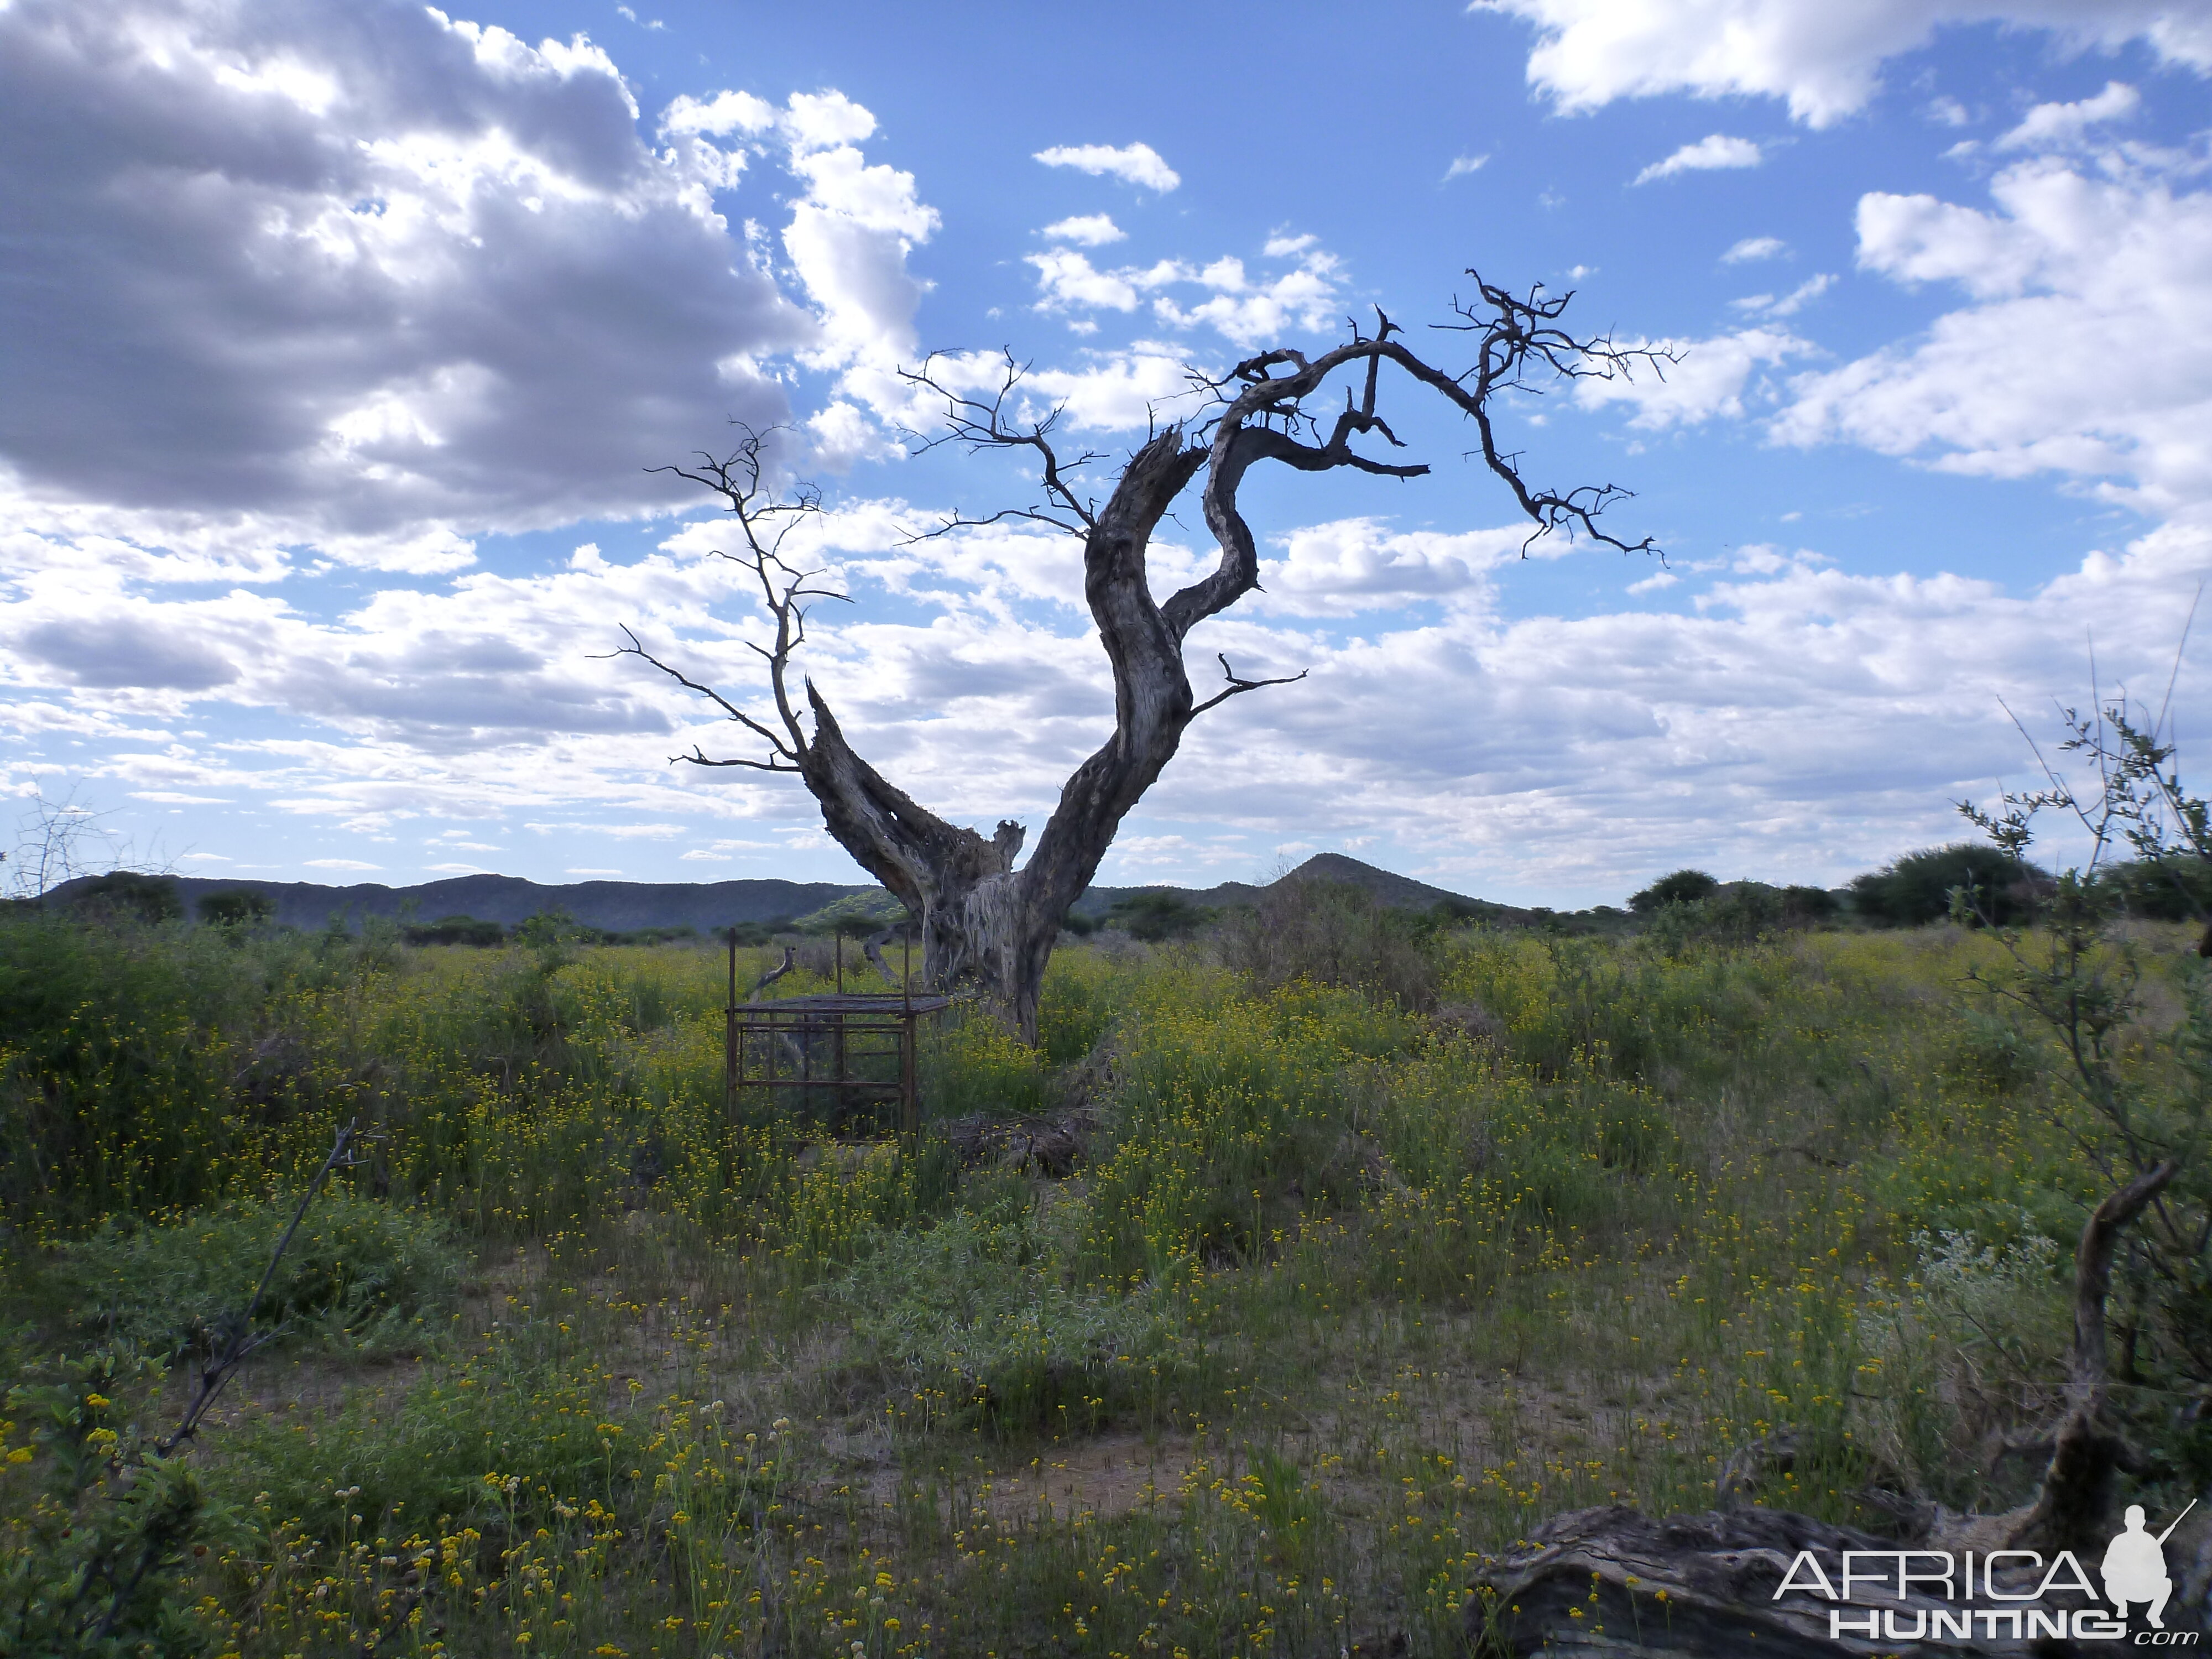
x: 1238, y: 685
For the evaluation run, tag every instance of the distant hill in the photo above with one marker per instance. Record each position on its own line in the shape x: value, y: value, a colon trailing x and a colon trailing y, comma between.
x: 1393, y: 892
x: 629, y: 906
x: 1390, y: 891
x: 617, y: 906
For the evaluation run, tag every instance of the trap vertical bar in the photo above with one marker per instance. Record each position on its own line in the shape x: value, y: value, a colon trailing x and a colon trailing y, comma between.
x: 732, y: 1055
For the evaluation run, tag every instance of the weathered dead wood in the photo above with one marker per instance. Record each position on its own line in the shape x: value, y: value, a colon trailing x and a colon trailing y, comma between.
x: 873, y: 949
x: 1053, y: 1147
x: 983, y: 924
x: 2072, y: 1508
x: 1613, y: 1582
x: 790, y: 961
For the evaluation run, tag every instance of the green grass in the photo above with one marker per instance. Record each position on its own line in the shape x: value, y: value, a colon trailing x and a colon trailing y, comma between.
x: 1355, y: 1282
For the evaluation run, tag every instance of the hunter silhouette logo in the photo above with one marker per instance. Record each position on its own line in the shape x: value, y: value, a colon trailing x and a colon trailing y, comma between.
x: 2135, y: 1566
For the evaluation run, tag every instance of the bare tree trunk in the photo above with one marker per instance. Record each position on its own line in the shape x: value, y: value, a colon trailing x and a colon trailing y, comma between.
x: 986, y: 927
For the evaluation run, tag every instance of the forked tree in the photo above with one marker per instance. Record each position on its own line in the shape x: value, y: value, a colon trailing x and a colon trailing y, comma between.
x: 987, y: 927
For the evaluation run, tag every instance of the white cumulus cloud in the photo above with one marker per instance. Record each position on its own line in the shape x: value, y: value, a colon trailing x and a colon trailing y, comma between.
x: 1091, y: 229
x: 1243, y: 307
x: 1715, y: 151
x: 2050, y: 125
x: 376, y: 279
x: 374, y: 282
x: 2084, y: 349
x: 1766, y: 304
x: 1709, y: 378
x: 1824, y: 59
x: 1138, y: 164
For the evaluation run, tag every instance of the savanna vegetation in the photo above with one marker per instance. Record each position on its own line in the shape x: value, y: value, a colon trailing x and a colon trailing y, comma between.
x: 1382, y: 1238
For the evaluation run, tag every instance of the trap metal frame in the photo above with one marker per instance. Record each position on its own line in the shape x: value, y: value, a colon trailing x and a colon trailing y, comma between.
x: 857, y: 1047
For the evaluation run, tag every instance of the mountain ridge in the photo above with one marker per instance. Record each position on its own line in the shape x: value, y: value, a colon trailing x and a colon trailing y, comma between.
x: 629, y: 906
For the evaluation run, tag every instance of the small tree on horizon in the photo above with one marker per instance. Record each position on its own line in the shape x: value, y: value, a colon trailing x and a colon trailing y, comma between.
x: 1682, y: 887
x: 985, y: 925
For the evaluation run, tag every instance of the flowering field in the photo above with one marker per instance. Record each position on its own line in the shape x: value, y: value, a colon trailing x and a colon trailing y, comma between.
x: 1345, y: 1289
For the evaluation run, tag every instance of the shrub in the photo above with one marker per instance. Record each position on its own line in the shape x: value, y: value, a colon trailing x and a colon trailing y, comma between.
x: 98, y: 1564
x: 1333, y: 933
x: 241, y: 907
x: 1683, y: 887
x: 2161, y: 889
x: 1973, y: 1352
x: 1156, y: 916
x: 970, y: 1063
x: 1807, y: 905
x: 113, y: 1065
x: 975, y: 1317
x: 408, y: 1455
x: 1917, y: 888
x: 129, y: 894
x: 1233, y: 1115
x: 1738, y: 912
x: 356, y: 1267
x: 1077, y: 1008
x: 454, y: 930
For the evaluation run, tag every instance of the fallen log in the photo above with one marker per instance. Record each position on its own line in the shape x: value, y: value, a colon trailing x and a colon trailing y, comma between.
x: 1613, y: 1582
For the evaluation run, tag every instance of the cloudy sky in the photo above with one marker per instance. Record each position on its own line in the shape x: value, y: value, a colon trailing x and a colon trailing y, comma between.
x: 337, y: 336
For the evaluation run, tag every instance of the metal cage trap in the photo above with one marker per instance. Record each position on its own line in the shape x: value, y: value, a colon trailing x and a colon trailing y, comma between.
x: 838, y: 1058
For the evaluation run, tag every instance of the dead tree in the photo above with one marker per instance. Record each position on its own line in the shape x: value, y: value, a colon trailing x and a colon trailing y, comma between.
x: 985, y: 925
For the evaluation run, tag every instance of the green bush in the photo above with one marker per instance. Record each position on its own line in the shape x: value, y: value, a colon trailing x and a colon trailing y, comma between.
x: 1156, y: 916
x: 1683, y: 887
x: 970, y: 1066
x: 1234, y: 1115
x: 113, y: 1079
x: 1738, y: 913
x: 131, y: 896
x: 455, y: 930
x: 976, y: 1317
x: 356, y: 1268
x: 442, y: 1446
x: 241, y: 907
x: 2163, y: 889
x: 1077, y: 1006
x: 98, y: 1564
x: 1973, y: 1352
x: 1917, y: 888
x: 1333, y: 933
x: 1809, y: 904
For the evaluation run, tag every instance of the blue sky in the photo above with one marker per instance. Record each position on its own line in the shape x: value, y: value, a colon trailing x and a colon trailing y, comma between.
x: 338, y: 338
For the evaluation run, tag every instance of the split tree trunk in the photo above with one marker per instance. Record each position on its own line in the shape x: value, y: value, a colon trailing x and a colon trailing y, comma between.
x: 986, y: 927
